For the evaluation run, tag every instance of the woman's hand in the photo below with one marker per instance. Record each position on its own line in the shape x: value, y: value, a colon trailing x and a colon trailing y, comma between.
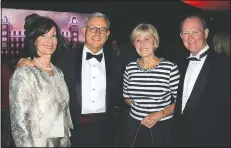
x: 150, y: 120
x: 25, y: 62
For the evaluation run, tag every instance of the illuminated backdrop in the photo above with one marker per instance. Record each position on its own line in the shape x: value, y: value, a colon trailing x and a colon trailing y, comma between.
x: 12, y: 39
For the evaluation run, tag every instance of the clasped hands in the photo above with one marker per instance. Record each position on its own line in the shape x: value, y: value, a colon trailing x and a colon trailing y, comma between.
x: 150, y: 120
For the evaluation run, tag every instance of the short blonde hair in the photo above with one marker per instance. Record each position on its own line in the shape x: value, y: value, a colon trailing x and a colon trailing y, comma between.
x: 148, y: 29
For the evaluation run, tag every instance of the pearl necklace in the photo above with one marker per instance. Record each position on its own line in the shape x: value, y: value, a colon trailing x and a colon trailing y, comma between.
x: 46, y: 68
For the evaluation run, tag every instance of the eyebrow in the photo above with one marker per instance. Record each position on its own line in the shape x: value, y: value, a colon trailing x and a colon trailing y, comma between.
x: 97, y: 27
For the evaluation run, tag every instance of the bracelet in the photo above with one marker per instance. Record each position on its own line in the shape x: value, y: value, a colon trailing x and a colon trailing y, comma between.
x: 163, y: 113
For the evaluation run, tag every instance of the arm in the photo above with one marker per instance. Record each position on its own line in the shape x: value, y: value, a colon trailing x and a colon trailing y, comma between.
x: 150, y: 120
x: 173, y: 83
x: 20, y: 107
x: 127, y: 100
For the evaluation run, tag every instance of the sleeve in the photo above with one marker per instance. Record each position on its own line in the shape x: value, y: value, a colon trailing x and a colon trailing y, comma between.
x: 20, y: 109
x: 125, y: 83
x: 174, y: 81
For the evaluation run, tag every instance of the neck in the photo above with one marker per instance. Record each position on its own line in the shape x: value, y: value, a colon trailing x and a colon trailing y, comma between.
x: 148, y: 62
x: 93, y: 50
x: 43, y: 63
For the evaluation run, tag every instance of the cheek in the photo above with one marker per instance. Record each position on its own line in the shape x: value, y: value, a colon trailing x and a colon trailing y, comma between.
x: 136, y: 46
x: 88, y: 38
x: 37, y: 44
x: 138, y: 51
x: 55, y: 43
x: 103, y: 39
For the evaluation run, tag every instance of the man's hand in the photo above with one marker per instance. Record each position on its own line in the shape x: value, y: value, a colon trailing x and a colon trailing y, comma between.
x: 25, y: 62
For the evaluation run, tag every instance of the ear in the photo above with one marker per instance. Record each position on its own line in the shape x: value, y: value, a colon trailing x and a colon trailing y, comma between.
x: 108, y: 33
x: 206, y: 33
x: 180, y: 35
x: 84, y: 30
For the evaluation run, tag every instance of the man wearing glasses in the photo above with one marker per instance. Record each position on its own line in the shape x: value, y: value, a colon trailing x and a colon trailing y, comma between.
x: 93, y: 76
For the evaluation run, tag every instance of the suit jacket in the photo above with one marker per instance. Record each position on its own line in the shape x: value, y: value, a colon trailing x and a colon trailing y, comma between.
x: 70, y: 62
x: 205, y: 120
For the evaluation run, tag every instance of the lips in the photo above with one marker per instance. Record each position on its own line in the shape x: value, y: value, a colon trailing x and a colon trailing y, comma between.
x: 96, y: 39
x: 144, y: 49
x: 49, y: 47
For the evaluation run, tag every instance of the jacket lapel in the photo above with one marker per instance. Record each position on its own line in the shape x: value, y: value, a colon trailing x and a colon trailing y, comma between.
x: 198, y: 88
x: 78, y: 75
x: 108, y: 67
x: 182, y: 69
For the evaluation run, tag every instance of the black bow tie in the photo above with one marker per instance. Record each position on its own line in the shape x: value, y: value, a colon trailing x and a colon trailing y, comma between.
x: 201, y: 56
x: 98, y: 57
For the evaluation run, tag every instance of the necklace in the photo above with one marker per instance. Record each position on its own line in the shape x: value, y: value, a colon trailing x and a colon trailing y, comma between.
x: 46, y: 68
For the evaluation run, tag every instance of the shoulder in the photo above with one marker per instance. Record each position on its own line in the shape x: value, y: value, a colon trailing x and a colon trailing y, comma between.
x: 24, y: 72
x: 132, y: 63
x: 58, y: 70
x: 167, y: 63
x: 66, y: 57
x: 131, y: 66
x: 68, y: 52
x: 219, y: 58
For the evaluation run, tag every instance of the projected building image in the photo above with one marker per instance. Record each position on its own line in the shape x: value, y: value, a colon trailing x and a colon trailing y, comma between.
x: 13, y: 28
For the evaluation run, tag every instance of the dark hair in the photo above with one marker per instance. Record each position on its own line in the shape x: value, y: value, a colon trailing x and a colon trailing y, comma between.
x: 35, y: 26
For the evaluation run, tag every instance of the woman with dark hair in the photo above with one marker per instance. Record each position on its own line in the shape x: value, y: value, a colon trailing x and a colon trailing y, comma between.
x: 39, y: 98
x: 221, y: 43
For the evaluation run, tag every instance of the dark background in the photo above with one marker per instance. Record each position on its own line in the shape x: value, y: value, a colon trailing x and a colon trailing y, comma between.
x: 125, y: 15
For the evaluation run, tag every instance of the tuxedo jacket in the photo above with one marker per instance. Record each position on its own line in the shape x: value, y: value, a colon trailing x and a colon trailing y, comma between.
x: 70, y: 62
x: 205, y: 120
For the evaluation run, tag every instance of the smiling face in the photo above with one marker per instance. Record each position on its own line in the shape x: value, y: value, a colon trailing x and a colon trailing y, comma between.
x: 194, y: 35
x: 94, y: 40
x: 46, y: 43
x: 144, y: 45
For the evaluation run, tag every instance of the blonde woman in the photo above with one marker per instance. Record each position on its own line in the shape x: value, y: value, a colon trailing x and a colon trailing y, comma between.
x: 150, y: 88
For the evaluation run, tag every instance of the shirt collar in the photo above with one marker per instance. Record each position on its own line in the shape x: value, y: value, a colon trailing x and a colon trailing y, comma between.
x: 85, y: 50
x: 198, y: 55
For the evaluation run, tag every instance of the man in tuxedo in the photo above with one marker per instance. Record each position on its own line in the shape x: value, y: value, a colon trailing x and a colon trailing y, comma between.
x: 94, y: 78
x: 202, y: 110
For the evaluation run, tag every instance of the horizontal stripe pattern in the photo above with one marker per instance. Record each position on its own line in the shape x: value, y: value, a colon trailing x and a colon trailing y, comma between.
x: 150, y: 90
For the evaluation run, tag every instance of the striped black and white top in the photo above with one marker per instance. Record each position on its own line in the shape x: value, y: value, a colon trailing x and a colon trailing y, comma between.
x: 151, y: 89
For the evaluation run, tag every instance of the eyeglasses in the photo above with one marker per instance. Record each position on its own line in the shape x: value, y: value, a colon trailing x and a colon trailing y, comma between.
x: 94, y: 29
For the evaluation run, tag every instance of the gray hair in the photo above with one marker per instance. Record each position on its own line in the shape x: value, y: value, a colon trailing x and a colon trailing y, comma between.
x: 97, y: 14
x: 202, y: 21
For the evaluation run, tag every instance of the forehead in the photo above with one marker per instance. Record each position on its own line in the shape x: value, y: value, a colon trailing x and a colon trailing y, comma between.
x: 142, y: 34
x: 192, y: 23
x: 98, y: 22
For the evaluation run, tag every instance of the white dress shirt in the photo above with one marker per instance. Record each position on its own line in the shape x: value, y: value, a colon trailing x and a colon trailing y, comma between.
x: 93, y: 84
x: 191, y: 75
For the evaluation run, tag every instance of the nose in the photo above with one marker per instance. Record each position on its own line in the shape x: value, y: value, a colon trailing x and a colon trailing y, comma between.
x: 48, y: 39
x: 97, y: 31
x: 141, y: 43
